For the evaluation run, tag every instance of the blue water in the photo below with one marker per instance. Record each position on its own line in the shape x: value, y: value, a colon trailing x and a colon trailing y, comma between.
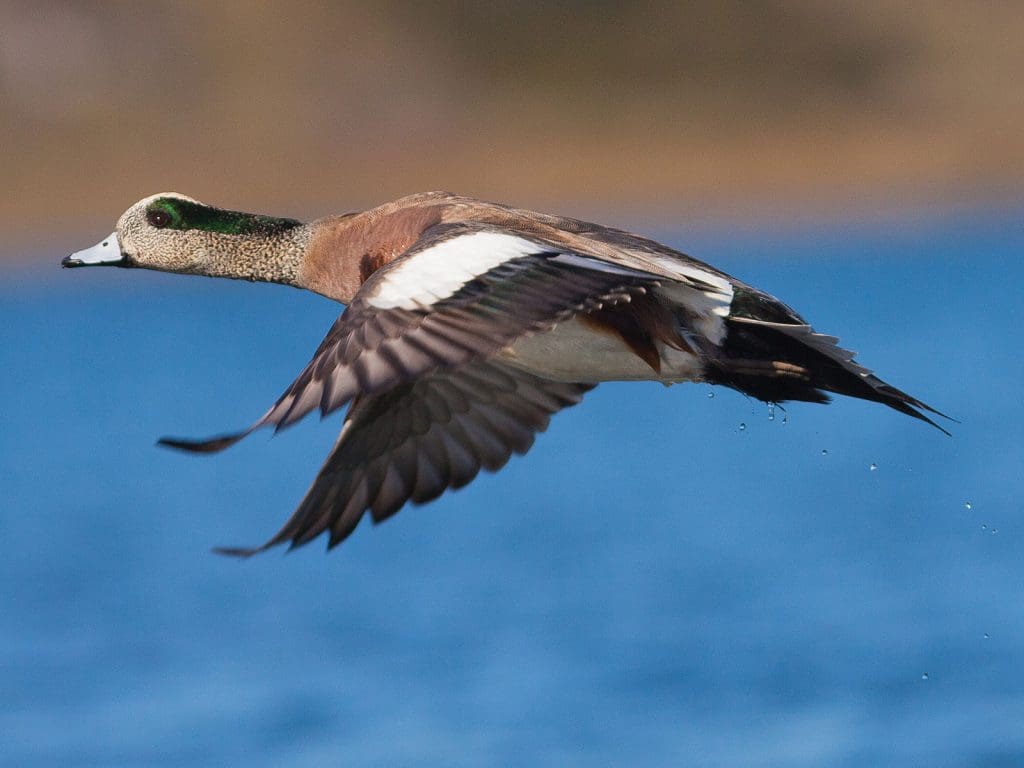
x: 650, y: 586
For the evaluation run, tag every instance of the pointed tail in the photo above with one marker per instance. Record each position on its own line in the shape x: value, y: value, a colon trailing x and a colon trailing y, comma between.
x: 777, y: 362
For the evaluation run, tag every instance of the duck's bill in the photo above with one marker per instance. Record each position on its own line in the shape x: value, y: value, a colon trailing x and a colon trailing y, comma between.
x: 106, y: 253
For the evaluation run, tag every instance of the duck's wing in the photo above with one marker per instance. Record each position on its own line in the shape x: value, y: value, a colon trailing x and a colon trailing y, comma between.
x: 462, y: 293
x: 416, y: 440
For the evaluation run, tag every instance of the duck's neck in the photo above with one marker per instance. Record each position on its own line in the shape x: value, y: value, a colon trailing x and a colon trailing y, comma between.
x: 272, y: 258
x: 332, y: 256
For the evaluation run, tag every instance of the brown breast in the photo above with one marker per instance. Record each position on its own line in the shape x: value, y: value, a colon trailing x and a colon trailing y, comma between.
x: 346, y: 250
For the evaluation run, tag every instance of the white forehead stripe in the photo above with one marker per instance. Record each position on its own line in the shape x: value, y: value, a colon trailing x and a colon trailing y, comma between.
x: 441, y: 270
x: 106, y: 251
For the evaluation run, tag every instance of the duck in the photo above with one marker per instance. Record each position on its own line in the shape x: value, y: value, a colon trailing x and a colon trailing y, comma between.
x: 468, y: 325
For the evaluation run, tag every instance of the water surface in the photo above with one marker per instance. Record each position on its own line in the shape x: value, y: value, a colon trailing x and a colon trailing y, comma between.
x: 650, y: 586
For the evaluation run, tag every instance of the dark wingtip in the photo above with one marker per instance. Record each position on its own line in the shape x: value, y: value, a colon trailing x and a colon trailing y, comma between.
x: 245, y: 552
x: 238, y: 552
x: 210, y: 445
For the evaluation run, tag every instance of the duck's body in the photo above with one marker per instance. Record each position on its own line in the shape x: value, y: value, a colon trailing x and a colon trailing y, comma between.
x: 581, y: 350
x: 469, y: 323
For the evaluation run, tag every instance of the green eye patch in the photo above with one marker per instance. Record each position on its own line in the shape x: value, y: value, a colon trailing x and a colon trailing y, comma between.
x: 173, y: 213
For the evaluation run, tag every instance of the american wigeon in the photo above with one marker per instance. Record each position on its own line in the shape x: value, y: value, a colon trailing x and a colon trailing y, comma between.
x: 468, y: 324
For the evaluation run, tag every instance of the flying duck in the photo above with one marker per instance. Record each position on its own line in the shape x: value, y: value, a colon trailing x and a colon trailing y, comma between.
x: 468, y: 324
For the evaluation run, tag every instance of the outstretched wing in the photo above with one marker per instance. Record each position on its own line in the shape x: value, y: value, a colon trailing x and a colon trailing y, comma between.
x: 463, y: 293
x: 420, y: 438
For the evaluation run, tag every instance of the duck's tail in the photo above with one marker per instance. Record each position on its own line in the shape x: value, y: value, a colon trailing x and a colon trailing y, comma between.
x: 776, y: 362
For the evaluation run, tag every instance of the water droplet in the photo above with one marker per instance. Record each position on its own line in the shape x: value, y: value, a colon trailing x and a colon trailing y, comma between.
x: 771, y: 411
x: 984, y: 527
x: 986, y: 636
x: 711, y: 395
x: 924, y: 675
x: 743, y: 427
x: 967, y: 505
x: 824, y: 451
x: 995, y: 531
x: 785, y: 418
x: 873, y: 466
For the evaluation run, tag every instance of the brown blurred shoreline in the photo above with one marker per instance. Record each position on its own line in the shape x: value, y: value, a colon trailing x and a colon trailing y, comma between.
x: 649, y: 112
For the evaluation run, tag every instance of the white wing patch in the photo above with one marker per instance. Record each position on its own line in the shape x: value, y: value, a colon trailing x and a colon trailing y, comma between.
x: 441, y: 270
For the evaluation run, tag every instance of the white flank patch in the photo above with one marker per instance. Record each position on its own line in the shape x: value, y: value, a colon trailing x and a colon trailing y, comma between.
x: 441, y: 270
x: 707, y: 295
x: 720, y: 292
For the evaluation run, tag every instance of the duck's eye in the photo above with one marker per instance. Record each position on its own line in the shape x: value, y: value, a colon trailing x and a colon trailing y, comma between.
x: 158, y: 218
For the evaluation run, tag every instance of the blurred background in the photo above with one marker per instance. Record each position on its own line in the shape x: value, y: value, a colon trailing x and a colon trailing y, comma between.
x: 672, y: 576
x: 681, y: 111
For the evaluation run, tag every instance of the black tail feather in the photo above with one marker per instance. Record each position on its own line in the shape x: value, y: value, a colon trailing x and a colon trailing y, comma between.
x: 777, y: 362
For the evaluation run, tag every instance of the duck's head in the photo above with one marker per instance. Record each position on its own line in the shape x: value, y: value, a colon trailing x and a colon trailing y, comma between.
x: 174, y: 233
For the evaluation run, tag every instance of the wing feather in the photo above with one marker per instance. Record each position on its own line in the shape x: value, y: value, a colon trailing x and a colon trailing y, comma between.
x: 419, y: 439
x: 388, y: 336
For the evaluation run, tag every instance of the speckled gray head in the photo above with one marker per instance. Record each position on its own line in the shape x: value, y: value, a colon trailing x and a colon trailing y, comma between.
x: 140, y: 231
x: 174, y: 233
